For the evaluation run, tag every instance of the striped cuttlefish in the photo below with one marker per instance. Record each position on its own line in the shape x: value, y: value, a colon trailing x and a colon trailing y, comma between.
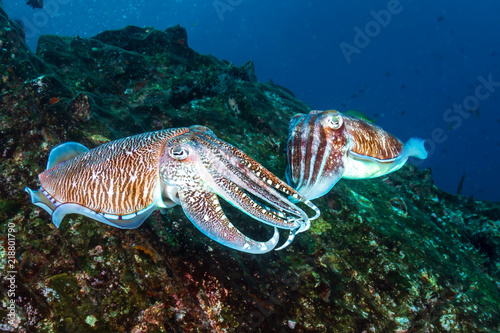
x: 325, y: 146
x: 122, y: 182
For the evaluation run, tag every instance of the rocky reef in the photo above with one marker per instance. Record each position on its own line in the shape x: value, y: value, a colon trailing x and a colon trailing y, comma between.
x: 393, y: 254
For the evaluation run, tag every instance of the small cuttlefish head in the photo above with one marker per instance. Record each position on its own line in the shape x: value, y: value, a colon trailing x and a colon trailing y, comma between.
x: 198, y: 169
x: 316, y: 152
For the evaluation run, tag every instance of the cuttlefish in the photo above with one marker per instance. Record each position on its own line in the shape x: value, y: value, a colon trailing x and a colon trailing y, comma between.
x: 122, y: 182
x: 324, y: 146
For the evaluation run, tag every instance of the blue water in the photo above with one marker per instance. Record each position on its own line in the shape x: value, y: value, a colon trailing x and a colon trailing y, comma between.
x: 407, y: 63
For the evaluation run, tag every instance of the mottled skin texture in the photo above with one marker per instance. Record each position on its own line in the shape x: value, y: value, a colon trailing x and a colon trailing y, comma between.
x: 120, y: 183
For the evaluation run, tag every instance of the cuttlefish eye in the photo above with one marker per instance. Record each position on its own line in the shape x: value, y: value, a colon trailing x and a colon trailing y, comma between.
x: 335, y: 122
x: 179, y: 152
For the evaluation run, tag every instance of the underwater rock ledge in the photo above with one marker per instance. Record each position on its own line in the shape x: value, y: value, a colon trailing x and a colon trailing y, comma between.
x: 393, y: 254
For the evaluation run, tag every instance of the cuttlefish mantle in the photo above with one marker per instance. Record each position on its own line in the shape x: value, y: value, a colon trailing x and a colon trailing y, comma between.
x: 122, y: 182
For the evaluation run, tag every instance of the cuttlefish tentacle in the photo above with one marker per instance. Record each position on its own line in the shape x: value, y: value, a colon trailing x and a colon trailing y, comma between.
x: 122, y: 182
x: 225, y: 171
x: 213, y: 222
x: 237, y: 197
x: 202, y: 207
x: 253, y: 177
x: 324, y: 146
x: 212, y: 170
x: 250, y: 175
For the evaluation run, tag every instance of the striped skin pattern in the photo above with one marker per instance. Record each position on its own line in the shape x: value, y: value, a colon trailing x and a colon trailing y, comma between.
x: 119, y: 177
x: 371, y: 140
x: 200, y: 166
x: 120, y: 183
x: 324, y: 146
x: 317, y: 145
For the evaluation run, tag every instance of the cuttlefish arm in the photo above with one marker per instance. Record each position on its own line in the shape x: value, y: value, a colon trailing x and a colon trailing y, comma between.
x: 248, y: 174
x: 254, y: 178
x: 203, y: 209
x: 122, y: 182
x: 203, y: 168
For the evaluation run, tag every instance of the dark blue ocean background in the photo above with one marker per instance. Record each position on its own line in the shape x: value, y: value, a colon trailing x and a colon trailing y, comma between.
x: 420, y: 68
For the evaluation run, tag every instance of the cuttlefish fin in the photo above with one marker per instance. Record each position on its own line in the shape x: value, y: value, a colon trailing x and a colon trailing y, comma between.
x: 58, y: 154
x: 130, y: 221
x: 415, y: 147
x: 64, y: 152
x: 202, y: 207
x: 39, y: 199
x: 362, y: 166
x: 58, y: 211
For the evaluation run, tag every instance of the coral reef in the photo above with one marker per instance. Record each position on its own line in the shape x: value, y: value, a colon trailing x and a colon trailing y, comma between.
x: 393, y: 254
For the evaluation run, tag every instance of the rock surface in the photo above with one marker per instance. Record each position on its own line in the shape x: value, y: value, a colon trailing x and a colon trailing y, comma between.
x: 393, y: 254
